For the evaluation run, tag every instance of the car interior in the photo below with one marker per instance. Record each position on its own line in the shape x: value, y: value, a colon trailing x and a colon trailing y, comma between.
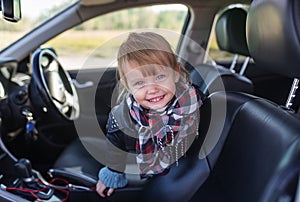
x: 248, y: 147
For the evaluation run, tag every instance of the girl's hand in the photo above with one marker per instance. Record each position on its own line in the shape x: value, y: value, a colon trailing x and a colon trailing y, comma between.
x: 100, y: 188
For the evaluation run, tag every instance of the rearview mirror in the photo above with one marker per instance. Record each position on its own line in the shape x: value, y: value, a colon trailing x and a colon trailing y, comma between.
x: 11, y: 10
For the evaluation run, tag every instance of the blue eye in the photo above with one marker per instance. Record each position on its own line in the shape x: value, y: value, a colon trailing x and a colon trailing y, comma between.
x: 139, y: 83
x: 160, y: 77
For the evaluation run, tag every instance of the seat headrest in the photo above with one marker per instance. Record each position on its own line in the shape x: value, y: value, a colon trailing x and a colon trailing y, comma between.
x: 273, y: 35
x: 231, y: 30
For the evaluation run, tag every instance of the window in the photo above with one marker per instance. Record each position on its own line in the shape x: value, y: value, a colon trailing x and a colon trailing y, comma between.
x: 95, y: 43
x: 32, y: 16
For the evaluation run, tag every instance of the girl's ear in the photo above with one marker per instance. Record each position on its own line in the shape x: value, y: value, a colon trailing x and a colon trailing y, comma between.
x: 122, y: 82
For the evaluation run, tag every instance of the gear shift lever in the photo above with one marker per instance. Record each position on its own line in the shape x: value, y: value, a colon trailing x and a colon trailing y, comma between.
x: 24, y: 170
x: 29, y: 181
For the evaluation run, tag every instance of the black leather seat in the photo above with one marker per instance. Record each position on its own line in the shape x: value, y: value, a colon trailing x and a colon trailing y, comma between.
x: 231, y: 30
x: 259, y: 142
x: 258, y: 151
x: 231, y: 37
x: 249, y: 147
x: 211, y: 78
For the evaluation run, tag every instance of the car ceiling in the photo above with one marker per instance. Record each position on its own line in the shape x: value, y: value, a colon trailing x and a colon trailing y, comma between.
x: 194, y: 2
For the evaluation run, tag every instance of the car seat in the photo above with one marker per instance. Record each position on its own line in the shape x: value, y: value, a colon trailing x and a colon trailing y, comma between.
x: 252, y: 145
x: 256, y: 157
x: 231, y: 33
x: 231, y: 37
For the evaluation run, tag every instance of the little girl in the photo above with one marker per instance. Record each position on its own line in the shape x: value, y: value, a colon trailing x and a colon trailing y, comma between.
x: 158, y: 115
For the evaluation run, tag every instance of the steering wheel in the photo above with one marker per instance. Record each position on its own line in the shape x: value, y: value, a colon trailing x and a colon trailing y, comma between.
x: 54, y: 85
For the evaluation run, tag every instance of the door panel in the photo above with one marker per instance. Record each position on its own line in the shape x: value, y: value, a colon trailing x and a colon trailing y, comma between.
x: 95, y: 100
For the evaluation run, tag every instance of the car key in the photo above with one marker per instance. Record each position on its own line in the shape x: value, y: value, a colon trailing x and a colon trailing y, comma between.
x: 31, y: 131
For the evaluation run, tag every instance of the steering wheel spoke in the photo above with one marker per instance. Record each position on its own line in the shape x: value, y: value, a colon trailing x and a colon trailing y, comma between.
x: 71, y: 102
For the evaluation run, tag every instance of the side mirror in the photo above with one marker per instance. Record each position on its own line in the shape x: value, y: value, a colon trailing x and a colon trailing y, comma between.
x: 11, y: 10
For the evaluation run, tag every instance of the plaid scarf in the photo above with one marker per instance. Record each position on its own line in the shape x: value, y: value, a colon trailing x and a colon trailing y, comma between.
x: 163, y: 137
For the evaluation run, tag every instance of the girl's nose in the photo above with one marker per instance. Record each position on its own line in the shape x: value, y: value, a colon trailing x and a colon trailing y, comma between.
x: 152, y: 88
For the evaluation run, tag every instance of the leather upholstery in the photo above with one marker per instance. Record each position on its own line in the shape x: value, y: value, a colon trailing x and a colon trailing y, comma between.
x: 211, y: 79
x: 259, y: 141
x: 76, y: 158
x: 257, y: 155
x: 231, y: 31
x: 277, y: 35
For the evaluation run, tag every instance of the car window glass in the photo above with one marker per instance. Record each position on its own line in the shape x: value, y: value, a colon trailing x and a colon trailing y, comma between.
x: 33, y: 14
x: 98, y: 39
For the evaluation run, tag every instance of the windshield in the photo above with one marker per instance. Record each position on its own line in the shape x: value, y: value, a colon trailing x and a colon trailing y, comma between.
x: 33, y: 13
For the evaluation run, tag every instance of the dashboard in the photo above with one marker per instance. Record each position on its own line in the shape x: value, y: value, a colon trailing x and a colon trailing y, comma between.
x: 10, y: 78
x: 7, y: 72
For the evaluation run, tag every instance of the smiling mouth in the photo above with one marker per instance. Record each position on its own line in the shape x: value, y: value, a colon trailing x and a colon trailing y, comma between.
x: 156, y: 99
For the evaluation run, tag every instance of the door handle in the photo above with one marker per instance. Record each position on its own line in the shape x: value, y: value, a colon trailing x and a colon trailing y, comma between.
x: 82, y: 85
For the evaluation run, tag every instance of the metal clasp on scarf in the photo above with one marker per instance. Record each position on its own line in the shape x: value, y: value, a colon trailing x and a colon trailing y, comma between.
x: 170, y: 140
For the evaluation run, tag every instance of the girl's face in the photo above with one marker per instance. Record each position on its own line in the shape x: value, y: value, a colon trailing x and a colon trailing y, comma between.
x: 152, y: 86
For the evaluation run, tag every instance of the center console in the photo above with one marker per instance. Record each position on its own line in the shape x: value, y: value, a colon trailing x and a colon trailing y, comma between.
x: 19, y: 182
